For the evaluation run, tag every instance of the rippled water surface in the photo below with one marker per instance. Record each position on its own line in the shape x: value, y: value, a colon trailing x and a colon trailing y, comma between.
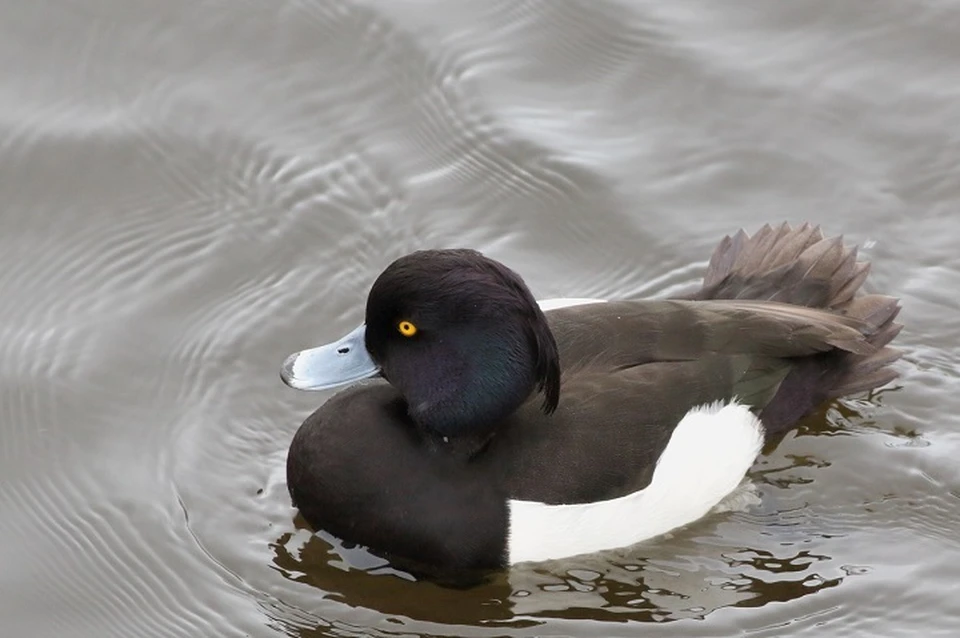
x: 189, y: 191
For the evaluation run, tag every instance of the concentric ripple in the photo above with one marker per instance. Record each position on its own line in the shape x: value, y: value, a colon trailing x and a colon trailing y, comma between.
x: 189, y: 192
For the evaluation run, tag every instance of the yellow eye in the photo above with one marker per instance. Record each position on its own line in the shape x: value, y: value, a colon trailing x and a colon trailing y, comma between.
x: 407, y: 329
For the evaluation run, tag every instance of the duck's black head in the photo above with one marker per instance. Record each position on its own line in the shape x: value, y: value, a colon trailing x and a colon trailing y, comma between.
x: 462, y: 338
x: 459, y: 335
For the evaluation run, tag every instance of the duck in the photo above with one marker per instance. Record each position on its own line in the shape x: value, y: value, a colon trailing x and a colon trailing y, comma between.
x: 481, y: 429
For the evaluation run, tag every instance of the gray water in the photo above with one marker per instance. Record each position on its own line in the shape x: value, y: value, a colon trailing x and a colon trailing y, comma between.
x: 189, y: 191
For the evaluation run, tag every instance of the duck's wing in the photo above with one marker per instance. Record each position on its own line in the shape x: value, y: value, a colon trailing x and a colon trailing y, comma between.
x: 628, y: 333
x: 633, y: 370
x: 611, y: 427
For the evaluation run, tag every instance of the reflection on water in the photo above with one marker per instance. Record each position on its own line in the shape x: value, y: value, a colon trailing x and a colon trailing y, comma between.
x: 645, y: 589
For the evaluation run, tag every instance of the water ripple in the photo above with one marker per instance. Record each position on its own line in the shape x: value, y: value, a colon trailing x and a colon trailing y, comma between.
x: 191, y: 194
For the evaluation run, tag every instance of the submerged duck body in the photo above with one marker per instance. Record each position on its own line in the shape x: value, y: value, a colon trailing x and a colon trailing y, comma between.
x: 499, y: 432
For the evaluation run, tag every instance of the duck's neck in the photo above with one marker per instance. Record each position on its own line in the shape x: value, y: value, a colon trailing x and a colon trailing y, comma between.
x: 485, y: 380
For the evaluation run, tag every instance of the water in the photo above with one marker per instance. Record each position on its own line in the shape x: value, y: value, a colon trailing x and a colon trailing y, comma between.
x: 192, y: 190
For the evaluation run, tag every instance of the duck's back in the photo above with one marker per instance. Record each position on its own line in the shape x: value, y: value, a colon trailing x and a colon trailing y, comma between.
x: 632, y: 370
x: 776, y: 327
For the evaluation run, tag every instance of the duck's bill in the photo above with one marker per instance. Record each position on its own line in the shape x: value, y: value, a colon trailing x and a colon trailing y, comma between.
x: 335, y: 364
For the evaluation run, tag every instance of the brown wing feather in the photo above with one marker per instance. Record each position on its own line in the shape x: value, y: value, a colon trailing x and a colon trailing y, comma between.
x: 629, y: 333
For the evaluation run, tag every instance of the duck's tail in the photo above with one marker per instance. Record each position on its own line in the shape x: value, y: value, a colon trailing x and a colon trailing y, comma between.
x: 799, y: 266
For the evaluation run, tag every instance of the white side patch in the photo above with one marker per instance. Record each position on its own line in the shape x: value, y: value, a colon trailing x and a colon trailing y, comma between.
x: 563, y: 302
x: 708, y: 454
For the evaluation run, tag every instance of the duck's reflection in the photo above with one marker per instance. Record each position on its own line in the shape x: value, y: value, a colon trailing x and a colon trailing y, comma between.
x: 647, y: 584
x: 359, y: 579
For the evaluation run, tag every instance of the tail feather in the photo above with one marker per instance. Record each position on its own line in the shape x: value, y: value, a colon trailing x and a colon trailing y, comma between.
x: 876, y: 311
x: 865, y: 372
x: 800, y: 266
x: 797, y: 266
x: 850, y: 288
x: 863, y: 383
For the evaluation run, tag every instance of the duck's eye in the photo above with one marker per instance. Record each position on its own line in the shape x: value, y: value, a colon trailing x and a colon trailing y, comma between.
x: 407, y: 329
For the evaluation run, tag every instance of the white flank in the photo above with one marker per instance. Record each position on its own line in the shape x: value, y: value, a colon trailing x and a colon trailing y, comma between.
x: 708, y: 454
x: 565, y: 302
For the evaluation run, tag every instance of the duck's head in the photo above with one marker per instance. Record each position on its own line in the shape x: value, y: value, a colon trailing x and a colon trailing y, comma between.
x: 457, y: 334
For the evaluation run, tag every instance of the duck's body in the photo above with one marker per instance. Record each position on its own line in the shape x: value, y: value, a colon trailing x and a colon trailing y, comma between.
x: 652, y: 411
